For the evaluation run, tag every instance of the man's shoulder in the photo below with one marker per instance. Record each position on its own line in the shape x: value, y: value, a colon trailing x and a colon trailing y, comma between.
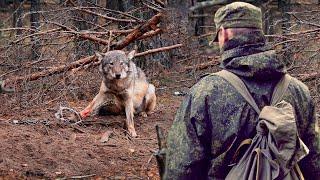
x: 212, y: 86
x: 299, y: 87
x: 208, y: 83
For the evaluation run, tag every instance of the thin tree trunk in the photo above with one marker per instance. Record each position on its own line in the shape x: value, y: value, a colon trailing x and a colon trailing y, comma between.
x: 284, y: 6
x: 17, y: 21
x: 35, y: 24
x: 83, y: 47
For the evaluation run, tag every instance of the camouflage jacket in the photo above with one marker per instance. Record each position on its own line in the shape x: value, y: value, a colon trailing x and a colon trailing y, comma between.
x: 214, y: 118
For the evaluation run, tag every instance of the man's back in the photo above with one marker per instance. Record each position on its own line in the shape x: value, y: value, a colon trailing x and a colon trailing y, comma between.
x: 214, y: 118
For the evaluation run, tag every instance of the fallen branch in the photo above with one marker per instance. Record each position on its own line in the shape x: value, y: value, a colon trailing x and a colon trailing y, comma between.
x: 162, y: 4
x: 93, y: 38
x: 158, y: 50
x: 82, y: 177
x: 14, y: 29
x: 137, y: 32
x: 36, y: 34
x: 52, y: 71
x: 107, y: 17
x: 82, y: 34
x: 150, y: 34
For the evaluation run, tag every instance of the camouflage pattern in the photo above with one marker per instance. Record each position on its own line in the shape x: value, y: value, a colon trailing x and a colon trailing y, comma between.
x: 238, y: 15
x: 214, y: 118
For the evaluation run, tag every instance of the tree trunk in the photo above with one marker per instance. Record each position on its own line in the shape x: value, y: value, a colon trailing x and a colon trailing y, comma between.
x: 83, y: 47
x: 284, y: 6
x: 17, y: 21
x: 35, y: 24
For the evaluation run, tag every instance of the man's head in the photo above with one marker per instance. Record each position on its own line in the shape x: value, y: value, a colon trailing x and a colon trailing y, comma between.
x: 235, y: 19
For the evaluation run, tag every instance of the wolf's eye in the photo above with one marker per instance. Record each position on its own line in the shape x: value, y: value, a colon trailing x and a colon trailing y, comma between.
x: 122, y: 63
x: 111, y: 63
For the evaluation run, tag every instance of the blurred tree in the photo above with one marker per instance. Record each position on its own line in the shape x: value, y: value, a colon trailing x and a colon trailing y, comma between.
x: 17, y: 21
x: 35, y: 24
x: 83, y: 21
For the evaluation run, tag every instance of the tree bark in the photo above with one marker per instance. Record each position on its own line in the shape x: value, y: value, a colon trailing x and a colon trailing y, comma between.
x: 83, y: 47
x: 17, y: 21
x: 137, y: 32
x: 35, y: 24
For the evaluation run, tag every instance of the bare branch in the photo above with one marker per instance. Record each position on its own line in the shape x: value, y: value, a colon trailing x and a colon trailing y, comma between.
x: 158, y: 50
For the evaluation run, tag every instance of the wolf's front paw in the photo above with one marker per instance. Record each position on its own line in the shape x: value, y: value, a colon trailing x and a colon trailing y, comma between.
x: 144, y: 114
x: 132, y: 132
x: 85, y: 113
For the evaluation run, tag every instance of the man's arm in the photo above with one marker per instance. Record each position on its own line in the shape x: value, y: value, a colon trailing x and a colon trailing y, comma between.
x: 188, y: 142
x: 310, y: 165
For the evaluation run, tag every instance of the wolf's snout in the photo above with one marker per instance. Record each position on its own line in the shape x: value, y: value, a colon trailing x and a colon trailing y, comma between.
x: 118, y: 76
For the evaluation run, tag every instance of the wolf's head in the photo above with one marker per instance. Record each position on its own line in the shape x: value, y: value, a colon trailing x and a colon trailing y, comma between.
x: 115, y: 64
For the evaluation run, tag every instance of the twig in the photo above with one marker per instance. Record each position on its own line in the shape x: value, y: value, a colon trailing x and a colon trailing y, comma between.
x: 162, y: 4
x: 52, y: 71
x: 36, y: 34
x: 81, y: 177
x: 13, y: 29
x: 158, y: 50
x: 107, y: 17
x: 110, y: 36
x: 151, y: 7
x: 146, y: 165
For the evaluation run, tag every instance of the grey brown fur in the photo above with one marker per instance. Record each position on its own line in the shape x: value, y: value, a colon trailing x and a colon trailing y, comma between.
x: 127, y: 84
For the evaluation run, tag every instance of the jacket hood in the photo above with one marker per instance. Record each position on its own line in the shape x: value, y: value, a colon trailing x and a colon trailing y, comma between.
x: 253, y: 61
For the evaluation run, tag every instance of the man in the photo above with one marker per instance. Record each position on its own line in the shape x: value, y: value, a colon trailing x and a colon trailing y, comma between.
x: 214, y: 118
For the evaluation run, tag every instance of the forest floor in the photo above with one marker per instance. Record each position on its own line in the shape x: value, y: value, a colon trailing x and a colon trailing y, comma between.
x: 39, y: 150
x: 36, y: 145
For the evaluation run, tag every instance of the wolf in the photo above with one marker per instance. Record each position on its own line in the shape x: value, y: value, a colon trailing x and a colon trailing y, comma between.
x: 128, y: 85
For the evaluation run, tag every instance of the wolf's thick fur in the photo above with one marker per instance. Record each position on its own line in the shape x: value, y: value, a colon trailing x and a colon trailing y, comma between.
x: 127, y: 83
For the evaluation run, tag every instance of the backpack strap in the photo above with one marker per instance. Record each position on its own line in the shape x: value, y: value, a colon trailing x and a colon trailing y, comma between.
x: 237, y: 83
x: 280, y: 89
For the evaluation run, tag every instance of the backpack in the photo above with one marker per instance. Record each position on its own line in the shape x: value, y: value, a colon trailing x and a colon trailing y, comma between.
x: 276, y: 149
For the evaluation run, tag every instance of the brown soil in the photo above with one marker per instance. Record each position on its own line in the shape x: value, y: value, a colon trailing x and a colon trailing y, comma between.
x: 62, y: 150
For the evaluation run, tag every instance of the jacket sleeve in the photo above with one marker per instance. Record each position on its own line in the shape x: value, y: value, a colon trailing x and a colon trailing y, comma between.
x: 188, y: 142
x: 310, y: 165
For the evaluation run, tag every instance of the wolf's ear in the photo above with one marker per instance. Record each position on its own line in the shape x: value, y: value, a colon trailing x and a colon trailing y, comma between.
x: 99, y: 56
x: 131, y: 54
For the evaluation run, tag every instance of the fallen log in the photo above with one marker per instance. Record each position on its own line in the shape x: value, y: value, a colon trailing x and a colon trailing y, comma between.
x: 136, y: 33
